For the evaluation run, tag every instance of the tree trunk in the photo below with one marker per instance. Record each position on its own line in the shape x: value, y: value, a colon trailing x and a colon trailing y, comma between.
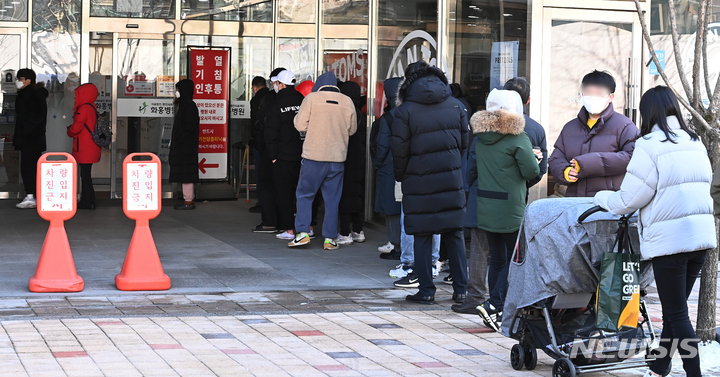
x: 706, y: 323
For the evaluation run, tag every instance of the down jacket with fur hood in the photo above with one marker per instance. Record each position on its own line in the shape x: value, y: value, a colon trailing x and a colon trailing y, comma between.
x: 429, y: 139
x: 505, y: 162
x: 670, y: 184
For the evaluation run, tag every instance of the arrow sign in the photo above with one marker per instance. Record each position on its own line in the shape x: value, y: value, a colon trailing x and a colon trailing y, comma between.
x: 202, y: 165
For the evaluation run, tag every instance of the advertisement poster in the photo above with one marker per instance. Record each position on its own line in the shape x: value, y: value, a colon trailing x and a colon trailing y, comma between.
x: 349, y: 66
x: 138, y: 86
x: 504, y: 63
x: 210, y: 71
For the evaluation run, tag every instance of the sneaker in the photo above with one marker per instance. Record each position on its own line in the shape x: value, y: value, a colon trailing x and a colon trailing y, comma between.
x: 443, y: 266
x: 311, y: 234
x: 490, y: 315
x: 393, y: 255
x: 301, y: 239
x: 448, y: 279
x: 409, y: 281
x: 400, y: 271
x: 387, y: 248
x: 330, y: 244
x: 260, y: 228
x: 344, y: 240
x: 435, y: 273
x: 286, y: 236
x: 184, y: 206
x: 27, y: 203
x: 650, y: 373
x: 358, y: 237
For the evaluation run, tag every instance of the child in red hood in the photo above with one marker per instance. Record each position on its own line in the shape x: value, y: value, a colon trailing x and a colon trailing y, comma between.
x: 85, y: 151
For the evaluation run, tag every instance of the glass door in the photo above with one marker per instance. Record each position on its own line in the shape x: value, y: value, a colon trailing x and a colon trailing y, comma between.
x: 13, y: 53
x: 135, y: 76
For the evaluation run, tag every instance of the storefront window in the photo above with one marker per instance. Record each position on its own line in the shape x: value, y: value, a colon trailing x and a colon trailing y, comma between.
x: 488, y: 44
x: 348, y: 59
x: 133, y: 8
x: 299, y: 11
x: 10, y: 50
x: 13, y: 10
x: 297, y: 55
x: 227, y: 10
x: 345, y: 12
x: 56, y: 60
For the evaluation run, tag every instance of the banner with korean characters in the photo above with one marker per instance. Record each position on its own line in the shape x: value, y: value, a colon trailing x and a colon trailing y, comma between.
x: 145, y: 108
x: 210, y: 72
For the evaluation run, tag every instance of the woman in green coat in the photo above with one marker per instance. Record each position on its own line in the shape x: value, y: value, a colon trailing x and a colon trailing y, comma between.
x: 505, y: 162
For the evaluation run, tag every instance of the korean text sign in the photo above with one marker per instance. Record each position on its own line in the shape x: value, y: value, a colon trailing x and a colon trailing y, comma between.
x: 142, y: 186
x: 56, y: 186
x: 210, y: 72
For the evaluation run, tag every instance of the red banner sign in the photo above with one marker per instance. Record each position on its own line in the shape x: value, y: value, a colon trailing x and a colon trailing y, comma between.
x: 210, y: 71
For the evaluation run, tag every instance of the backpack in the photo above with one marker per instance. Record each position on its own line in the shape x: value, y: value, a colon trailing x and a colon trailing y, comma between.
x: 102, y: 134
x: 375, y: 131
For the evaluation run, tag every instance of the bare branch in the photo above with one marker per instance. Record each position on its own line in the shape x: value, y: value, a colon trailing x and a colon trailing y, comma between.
x: 676, y: 49
x: 646, y: 34
x: 699, y: 39
x: 708, y: 13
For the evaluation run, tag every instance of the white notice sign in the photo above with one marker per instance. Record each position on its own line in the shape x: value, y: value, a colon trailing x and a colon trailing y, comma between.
x: 142, y: 191
x: 503, y: 63
x: 56, y: 191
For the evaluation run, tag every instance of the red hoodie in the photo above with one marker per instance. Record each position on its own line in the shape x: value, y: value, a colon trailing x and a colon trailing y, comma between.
x: 84, y: 150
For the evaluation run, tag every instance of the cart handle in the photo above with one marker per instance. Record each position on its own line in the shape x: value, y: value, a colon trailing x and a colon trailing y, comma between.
x: 590, y: 212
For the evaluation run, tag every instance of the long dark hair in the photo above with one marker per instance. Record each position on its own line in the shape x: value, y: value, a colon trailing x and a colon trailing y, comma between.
x: 656, y: 105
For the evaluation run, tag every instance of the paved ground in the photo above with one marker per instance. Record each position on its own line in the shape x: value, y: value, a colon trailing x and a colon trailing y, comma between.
x: 211, y: 249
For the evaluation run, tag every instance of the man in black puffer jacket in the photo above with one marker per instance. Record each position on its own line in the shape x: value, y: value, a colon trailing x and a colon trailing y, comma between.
x: 429, y: 138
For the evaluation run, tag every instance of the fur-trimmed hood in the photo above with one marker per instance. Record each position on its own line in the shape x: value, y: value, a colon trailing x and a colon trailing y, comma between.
x: 491, y: 126
x: 426, y: 85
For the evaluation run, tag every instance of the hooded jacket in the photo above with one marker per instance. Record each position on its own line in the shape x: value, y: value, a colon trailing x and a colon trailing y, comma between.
x: 183, y: 155
x: 282, y: 140
x: 84, y: 149
x: 505, y: 162
x: 383, y: 162
x: 672, y: 195
x: 329, y: 119
x: 30, y: 118
x: 429, y: 138
x: 353, y: 193
x: 603, y: 152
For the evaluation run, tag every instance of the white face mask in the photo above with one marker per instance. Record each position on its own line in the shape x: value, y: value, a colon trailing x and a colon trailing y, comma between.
x: 19, y: 84
x: 594, y: 105
x: 177, y: 94
x: 275, y: 88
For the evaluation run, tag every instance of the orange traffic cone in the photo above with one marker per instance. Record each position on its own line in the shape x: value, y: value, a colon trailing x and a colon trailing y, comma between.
x: 55, y: 270
x: 142, y: 270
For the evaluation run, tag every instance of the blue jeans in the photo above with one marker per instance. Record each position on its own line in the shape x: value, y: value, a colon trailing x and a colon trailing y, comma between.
x: 675, y: 276
x: 407, y: 242
x: 314, y: 176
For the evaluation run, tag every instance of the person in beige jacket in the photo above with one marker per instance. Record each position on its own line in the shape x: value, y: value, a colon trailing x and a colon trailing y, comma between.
x: 327, y: 118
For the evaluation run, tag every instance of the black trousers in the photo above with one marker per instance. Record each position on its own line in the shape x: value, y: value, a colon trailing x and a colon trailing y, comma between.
x: 87, y: 196
x: 29, y: 156
x: 675, y: 276
x: 285, y: 179
x: 455, y: 245
x: 266, y: 191
x: 346, y: 219
x: 501, y: 247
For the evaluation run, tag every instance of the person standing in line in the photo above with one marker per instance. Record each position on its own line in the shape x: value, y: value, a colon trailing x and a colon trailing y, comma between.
x: 593, y: 150
x: 352, y: 201
x: 184, y: 141
x: 429, y: 138
x: 266, y: 195
x: 85, y: 151
x: 283, y: 146
x: 505, y: 162
x: 259, y: 90
x: 328, y: 119
x: 384, y: 178
x: 29, y: 137
x: 669, y: 181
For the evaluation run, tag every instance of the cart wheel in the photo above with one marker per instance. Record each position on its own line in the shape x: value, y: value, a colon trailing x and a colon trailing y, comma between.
x: 517, y: 356
x: 530, y: 357
x: 563, y: 368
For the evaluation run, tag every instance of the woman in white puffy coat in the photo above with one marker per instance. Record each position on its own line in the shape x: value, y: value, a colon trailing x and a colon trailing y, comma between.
x: 668, y: 181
